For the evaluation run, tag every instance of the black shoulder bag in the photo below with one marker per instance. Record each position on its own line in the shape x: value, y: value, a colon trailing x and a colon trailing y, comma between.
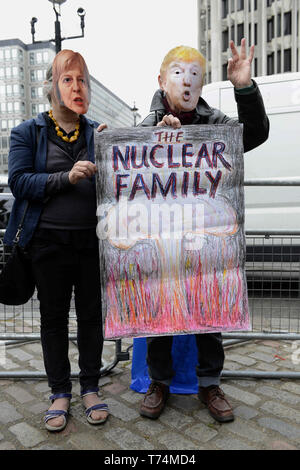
x: 16, y: 279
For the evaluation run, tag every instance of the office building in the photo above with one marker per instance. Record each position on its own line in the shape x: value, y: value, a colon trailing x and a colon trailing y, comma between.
x: 273, y: 26
x: 22, y: 73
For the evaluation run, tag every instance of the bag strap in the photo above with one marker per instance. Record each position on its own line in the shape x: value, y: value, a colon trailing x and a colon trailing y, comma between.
x: 20, y: 226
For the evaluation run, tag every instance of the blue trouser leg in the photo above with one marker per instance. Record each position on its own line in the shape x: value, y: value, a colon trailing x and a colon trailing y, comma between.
x: 210, y: 358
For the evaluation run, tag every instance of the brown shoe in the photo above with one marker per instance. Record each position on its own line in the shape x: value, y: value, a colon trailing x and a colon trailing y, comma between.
x: 219, y: 408
x: 154, y: 401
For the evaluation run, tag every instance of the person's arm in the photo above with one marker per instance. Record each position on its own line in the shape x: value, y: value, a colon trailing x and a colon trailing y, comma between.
x: 24, y: 182
x: 251, y: 110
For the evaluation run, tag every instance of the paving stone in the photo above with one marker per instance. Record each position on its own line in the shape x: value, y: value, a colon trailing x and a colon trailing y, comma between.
x: 228, y: 443
x: 37, y: 364
x: 243, y: 429
x: 27, y: 435
x: 244, y: 383
x: 174, y: 418
x: 184, y: 402
x: 174, y: 441
x: 127, y: 440
x: 8, y: 413
x: 245, y: 412
x: 201, y: 432
x: 281, y: 445
x: 48, y: 447
x: 115, y: 388
x: 36, y: 348
x: 244, y: 360
x: 288, y: 430
x: 19, y: 394
x: 38, y: 408
x: 241, y: 395
x: 228, y: 365
x: 263, y: 357
x: 204, y: 416
x: 291, y: 387
x: 121, y: 411
x: 281, y: 395
x: 9, y: 365
x: 132, y: 397
x: 20, y: 354
x: 7, y: 446
x: 84, y: 441
x: 281, y: 411
x: 267, y: 367
x: 150, y: 428
x: 42, y: 387
x: 104, y: 380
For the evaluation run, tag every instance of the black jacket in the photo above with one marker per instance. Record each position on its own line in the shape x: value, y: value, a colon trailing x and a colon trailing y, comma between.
x: 251, y: 112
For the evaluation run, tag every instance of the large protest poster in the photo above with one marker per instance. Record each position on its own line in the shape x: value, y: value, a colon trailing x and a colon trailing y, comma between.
x: 171, y: 230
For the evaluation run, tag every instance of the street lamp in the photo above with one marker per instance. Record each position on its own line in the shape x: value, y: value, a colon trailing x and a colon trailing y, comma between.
x: 134, y: 111
x: 58, y: 39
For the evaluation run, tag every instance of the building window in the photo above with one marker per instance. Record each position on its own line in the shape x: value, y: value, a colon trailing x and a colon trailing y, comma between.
x: 240, y: 32
x: 32, y: 75
x: 33, y: 110
x: 4, y: 142
x: 2, y: 90
x: 279, y: 25
x: 3, y: 108
x: 270, y: 29
x: 1, y: 54
x: 4, y: 124
x: 224, y: 8
x: 31, y: 58
x: 15, y: 71
x: 240, y: 5
x: 287, y: 23
x: 225, y: 40
x: 279, y: 61
x: 14, y: 54
x: 224, y: 71
x: 33, y: 92
x: 287, y: 60
x: 9, y: 90
x: 7, y: 54
x: 270, y: 64
x: 9, y: 107
x: 1, y: 72
x: 10, y: 123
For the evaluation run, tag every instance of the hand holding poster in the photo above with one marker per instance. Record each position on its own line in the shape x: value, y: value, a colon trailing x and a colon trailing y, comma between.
x: 170, y: 227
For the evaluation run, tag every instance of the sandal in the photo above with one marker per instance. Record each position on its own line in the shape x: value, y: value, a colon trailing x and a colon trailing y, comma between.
x: 56, y: 413
x: 99, y: 406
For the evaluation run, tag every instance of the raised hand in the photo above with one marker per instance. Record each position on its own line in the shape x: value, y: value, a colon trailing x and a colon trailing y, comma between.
x: 239, y: 66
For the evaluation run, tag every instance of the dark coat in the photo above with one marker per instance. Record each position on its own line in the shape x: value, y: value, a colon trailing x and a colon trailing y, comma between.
x: 27, y: 176
x: 251, y: 112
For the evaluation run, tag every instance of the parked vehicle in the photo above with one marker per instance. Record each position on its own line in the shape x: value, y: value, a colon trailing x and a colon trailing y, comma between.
x: 271, y: 207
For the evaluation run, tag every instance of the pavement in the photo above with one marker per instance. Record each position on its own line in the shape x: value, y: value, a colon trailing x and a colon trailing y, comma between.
x: 267, y: 411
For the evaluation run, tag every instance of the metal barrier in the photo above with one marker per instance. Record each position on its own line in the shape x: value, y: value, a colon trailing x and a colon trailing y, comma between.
x: 273, y: 277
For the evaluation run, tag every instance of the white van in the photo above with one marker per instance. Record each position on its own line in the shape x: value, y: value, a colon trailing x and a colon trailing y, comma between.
x: 270, y: 207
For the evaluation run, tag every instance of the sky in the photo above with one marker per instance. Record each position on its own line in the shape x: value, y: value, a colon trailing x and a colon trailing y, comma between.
x: 125, y: 40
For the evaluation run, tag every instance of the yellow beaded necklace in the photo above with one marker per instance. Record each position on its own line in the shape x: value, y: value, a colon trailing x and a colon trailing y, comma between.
x: 60, y: 133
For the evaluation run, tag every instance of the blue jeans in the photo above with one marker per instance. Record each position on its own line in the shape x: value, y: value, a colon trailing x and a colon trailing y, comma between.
x: 210, y: 358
